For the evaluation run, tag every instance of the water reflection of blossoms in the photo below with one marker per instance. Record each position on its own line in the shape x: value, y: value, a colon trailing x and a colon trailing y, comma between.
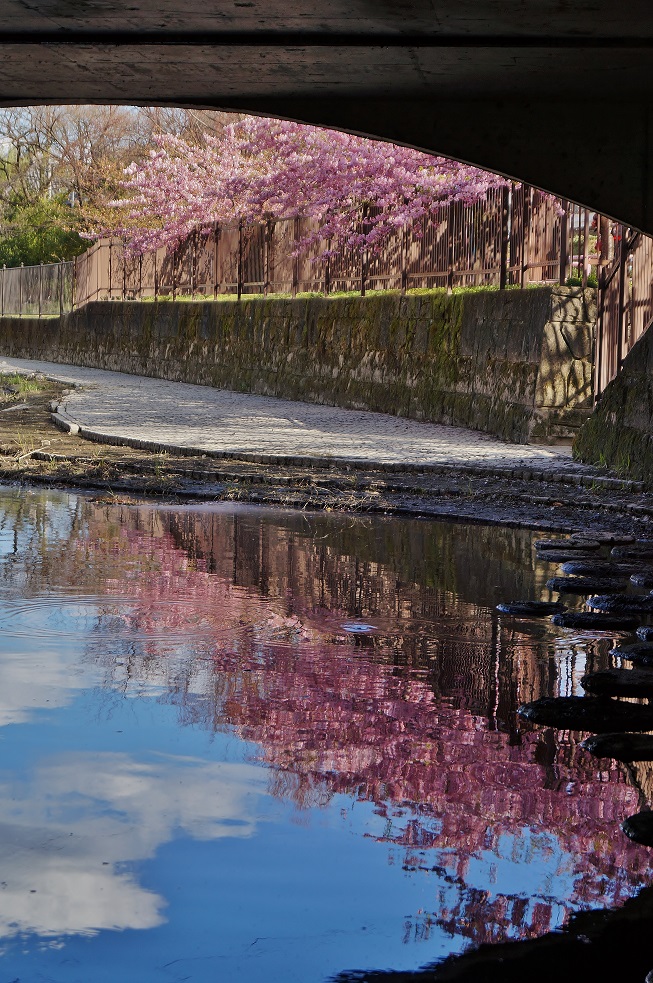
x: 242, y: 629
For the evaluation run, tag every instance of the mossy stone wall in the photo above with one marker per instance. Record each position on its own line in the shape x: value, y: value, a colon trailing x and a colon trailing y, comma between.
x: 513, y: 363
x: 619, y: 434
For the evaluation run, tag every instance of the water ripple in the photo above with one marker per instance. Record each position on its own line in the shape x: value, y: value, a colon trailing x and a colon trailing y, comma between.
x: 115, y: 617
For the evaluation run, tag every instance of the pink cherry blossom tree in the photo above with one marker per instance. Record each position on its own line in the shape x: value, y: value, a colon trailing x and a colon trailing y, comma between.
x: 359, y: 191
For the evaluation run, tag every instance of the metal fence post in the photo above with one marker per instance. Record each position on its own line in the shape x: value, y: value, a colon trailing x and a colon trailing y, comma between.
x: 269, y: 232
x: 124, y: 273
x: 525, y: 235
x: 603, y: 224
x: 156, y: 276
x: 505, y: 232
x: 239, y: 286
x: 216, y: 237
x: 20, y: 290
x: 327, y: 270
x: 193, y: 264
x: 40, y: 289
x: 363, y: 253
x: 623, y: 261
x: 404, y: 259
x: 450, y: 230
x: 598, y: 341
x: 586, y: 236
x: 4, y: 271
x: 564, y: 243
x: 295, y: 264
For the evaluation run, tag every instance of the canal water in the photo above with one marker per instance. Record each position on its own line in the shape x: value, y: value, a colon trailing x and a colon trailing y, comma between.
x: 257, y: 745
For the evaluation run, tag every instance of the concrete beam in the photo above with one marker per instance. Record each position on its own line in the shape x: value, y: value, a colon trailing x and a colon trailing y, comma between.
x: 555, y: 94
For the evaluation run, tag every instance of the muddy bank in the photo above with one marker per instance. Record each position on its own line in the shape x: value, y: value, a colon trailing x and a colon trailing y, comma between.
x: 34, y: 451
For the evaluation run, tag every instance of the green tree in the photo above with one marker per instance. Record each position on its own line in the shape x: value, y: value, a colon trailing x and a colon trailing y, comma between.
x: 41, y: 231
x: 50, y: 155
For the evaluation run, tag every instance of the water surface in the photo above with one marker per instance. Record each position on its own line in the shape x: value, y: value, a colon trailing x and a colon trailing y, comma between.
x: 251, y: 745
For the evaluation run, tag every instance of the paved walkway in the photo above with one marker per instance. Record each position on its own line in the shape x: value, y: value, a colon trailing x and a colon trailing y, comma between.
x: 175, y: 414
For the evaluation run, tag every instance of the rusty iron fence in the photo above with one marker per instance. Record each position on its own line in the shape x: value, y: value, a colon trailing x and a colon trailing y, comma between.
x: 625, y: 302
x: 37, y: 291
x: 515, y: 237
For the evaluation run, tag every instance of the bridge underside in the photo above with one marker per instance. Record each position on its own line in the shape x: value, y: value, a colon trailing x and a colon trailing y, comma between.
x: 560, y: 96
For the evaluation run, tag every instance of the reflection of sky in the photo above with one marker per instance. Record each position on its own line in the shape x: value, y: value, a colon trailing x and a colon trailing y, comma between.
x: 35, y: 675
x: 67, y: 831
x: 132, y: 848
x: 188, y: 857
x: 525, y: 864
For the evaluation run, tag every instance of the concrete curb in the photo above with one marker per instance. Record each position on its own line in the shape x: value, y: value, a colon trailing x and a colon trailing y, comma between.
x: 521, y: 473
x: 60, y: 421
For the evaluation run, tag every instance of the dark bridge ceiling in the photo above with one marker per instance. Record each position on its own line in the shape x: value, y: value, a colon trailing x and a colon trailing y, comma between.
x: 553, y: 91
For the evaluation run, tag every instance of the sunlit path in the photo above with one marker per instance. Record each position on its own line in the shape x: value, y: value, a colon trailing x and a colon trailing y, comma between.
x: 179, y: 415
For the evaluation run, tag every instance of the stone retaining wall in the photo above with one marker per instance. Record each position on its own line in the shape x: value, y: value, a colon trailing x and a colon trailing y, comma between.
x: 514, y: 363
x: 619, y: 434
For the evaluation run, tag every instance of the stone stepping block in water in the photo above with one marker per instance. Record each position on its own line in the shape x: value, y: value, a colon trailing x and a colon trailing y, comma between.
x: 544, y: 545
x: 561, y: 556
x: 603, y: 568
x: 587, y: 713
x: 596, y: 622
x: 645, y: 633
x: 607, y: 538
x: 641, y: 653
x: 641, y: 549
x: 639, y: 828
x: 642, y: 579
x: 584, y: 585
x: 619, y: 682
x: 621, y: 747
x: 530, y: 609
x: 621, y: 602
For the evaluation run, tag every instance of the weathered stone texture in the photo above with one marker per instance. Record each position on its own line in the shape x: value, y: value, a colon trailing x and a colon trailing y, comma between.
x: 513, y: 363
x: 619, y: 434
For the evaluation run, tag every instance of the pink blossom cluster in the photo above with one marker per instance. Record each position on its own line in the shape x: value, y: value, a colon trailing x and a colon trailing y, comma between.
x: 360, y: 191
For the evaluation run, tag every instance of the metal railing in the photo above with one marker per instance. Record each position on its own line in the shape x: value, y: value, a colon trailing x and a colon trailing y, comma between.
x: 625, y: 303
x: 514, y: 237
x: 37, y: 291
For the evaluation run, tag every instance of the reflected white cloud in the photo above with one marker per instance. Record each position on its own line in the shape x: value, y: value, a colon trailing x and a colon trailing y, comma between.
x: 65, y: 833
x: 36, y: 679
